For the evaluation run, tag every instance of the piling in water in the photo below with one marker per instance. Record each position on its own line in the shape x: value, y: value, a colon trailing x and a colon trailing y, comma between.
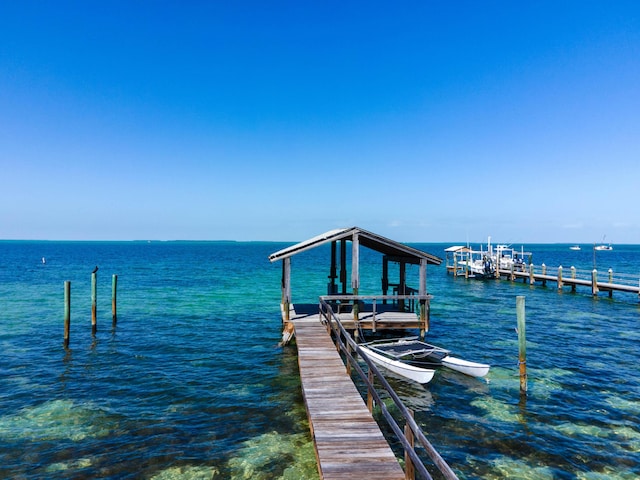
x: 94, y: 308
x: 114, y: 310
x: 522, y: 344
x: 67, y: 312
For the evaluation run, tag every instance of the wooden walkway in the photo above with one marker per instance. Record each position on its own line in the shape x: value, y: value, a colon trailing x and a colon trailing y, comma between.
x: 348, y: 441
x: 567, y: 277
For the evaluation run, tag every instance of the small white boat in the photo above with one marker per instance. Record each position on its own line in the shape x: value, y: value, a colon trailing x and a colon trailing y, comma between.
x: 417, y: 374
x: 603, y: 246
x: 411, y: 357
x: 574, y: 247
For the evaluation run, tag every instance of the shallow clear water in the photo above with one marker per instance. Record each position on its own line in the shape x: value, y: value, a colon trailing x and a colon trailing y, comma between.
x: 191, y: 383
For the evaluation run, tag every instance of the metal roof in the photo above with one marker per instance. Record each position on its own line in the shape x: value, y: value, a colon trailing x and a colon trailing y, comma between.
x: 365, y: 238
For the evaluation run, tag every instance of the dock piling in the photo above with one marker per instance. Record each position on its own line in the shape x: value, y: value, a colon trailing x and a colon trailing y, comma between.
x: 522, y: 343
x: 67, y: 312
x: 94, y: 308
x: 559, y: 277
x: 114, y: 310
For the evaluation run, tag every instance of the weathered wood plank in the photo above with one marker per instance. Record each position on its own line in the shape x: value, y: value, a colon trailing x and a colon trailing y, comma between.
x: 348, y: 441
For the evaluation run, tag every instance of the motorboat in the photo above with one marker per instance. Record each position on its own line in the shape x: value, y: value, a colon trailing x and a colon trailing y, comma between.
x: 574, y: 247
x: 484, y: 263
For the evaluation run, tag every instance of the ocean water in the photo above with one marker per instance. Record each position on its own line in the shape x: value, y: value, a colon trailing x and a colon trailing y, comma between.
x: 192, y: 384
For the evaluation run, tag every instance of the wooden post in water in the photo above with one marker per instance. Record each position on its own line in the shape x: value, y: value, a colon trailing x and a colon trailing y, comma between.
x: 532, y: 278
x: 611, y: 281
x: 560, y: 277
x: 94, y: 303
x: 114, y: 310
x: 67, y: 312
x: 594, y: 282
x: 522, y: 344
x: 409, y: 469
x: 573, y: 277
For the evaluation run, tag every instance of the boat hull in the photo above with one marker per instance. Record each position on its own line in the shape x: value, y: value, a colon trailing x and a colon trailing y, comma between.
x: 412, y: 372
x: 413, y: 352
x: 472, y: 369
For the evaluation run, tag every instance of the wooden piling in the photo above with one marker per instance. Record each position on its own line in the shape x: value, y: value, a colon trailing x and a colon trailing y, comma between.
x: 67, y: 312
x: 522, y: 343
x: 369, y: 394
x: 532, y: 278
x: 114, y: 310
x: 94, y: 303
x: 560, y: 277
x: 409, y: 469
x: 594, y: 282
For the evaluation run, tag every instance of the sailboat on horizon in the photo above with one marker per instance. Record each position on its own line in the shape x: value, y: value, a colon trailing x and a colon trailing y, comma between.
x: 603, y: 246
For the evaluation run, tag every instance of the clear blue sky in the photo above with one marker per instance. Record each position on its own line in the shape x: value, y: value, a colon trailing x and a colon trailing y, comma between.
x: 421, y: 121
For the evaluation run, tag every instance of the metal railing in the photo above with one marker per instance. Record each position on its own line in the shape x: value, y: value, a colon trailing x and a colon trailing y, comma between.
x: 412, y: 432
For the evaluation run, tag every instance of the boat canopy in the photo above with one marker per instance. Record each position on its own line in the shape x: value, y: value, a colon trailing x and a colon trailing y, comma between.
x: 366, y: 239
x: 457, y: 248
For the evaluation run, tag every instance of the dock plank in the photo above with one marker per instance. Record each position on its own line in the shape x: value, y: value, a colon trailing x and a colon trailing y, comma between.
x: 348, y: 441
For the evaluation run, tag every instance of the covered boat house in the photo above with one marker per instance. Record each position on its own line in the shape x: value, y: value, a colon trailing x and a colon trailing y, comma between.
x: 399, y: 304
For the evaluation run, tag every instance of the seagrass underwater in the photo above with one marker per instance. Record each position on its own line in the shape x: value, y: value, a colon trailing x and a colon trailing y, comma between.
x: 192, y: 384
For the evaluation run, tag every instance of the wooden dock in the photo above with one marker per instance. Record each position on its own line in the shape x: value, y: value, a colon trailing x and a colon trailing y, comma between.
x: 348, y: 441
x: 570, y: 277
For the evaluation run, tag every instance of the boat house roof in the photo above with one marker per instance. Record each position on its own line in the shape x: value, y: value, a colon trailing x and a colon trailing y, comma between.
x: 366, y: 239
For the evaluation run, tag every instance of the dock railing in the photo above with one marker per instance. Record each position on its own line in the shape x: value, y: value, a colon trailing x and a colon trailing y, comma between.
x: 412, y: 433
x: 606, y: 280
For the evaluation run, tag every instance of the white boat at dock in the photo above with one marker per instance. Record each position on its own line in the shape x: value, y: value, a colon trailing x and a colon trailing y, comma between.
x: 418, y: 360
x: 477, y: 263
x: 484, y: 263
x: 417, y: 374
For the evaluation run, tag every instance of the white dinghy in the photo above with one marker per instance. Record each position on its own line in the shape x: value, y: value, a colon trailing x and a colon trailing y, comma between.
x: 412, y: 372
x: 413, y: 358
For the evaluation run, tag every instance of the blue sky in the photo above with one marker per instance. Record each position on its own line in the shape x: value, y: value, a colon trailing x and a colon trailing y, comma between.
x: 421, y: 121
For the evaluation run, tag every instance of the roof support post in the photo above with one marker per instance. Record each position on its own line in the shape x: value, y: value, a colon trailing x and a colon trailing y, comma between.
x: 402, y: 283
x: 355, y: 263
x: 286, y: 287
x: 333, y: 271
x: 424, y: 303
x: 385, y: 277
x: 355, y: 272
x: 343, y: 265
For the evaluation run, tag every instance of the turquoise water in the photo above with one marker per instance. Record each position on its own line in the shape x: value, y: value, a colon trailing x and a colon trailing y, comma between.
x: 191, y: 383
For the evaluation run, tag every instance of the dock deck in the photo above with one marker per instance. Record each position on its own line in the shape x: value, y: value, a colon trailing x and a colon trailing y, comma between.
x: 570, y: 277
x: 348, y: 441
x: 381, y: 317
